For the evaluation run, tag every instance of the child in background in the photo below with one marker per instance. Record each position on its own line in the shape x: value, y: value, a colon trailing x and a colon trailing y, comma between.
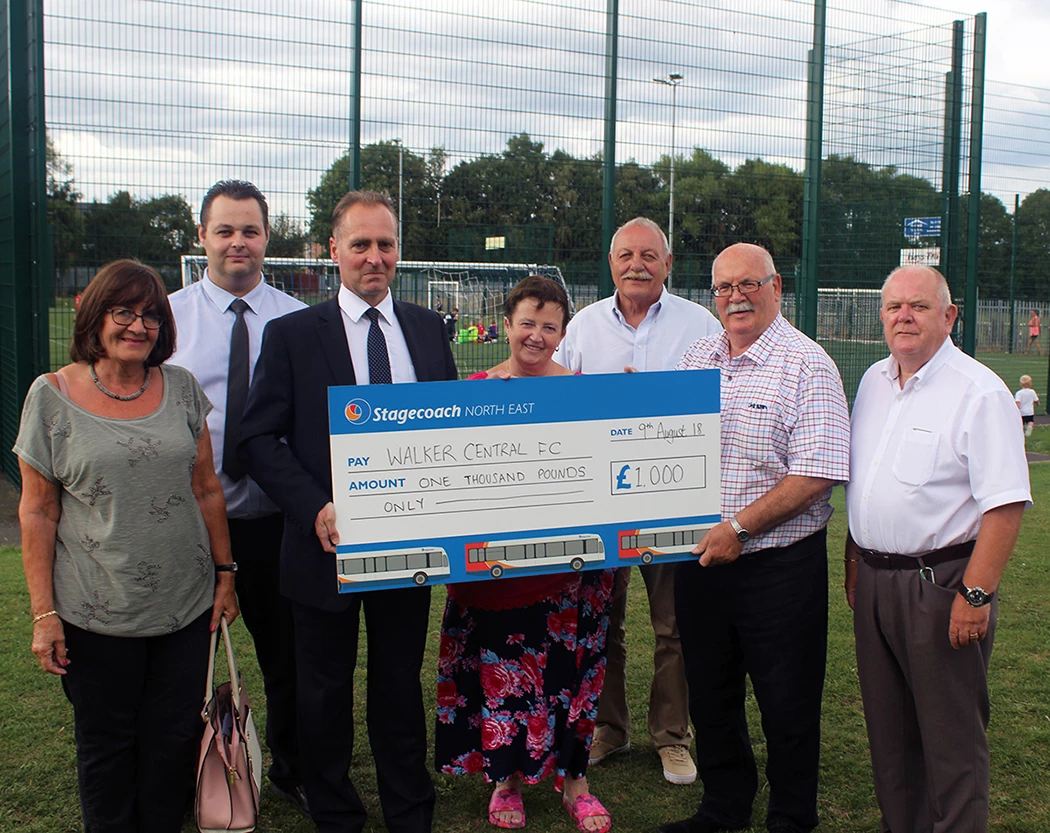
x: 1026, y: 400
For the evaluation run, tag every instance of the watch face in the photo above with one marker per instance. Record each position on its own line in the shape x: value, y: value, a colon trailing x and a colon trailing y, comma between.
x: 976, y: 596
x: 743, y: 535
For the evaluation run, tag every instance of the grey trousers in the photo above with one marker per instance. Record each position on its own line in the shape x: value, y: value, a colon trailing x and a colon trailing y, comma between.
x: 926, y: 704
x: 668, y: 695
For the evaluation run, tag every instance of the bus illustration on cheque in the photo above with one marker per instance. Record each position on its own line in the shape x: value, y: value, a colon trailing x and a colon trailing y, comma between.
x: 649, y: 544
x: 523, y: 555
x: 420, y: 564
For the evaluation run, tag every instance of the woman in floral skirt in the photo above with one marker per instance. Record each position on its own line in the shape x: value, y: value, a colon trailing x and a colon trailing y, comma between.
x: 523, y: 659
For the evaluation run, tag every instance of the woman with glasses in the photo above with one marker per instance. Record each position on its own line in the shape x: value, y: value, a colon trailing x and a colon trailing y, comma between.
x: 123, y: 536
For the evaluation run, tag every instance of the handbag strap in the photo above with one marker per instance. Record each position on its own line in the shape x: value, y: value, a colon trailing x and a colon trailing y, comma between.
x: 231, y: 662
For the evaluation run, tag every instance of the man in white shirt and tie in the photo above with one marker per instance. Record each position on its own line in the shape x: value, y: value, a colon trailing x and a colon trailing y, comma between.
x: 220, y: 321
x: 644, y: 327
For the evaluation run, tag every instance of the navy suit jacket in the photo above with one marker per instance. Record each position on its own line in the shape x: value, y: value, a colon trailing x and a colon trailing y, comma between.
x: 285, y: 436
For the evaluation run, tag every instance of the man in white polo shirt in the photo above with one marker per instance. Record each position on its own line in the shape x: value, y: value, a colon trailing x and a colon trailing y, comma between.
x: 220, y: 321
x: 644, y: 327
x: 939, y: 484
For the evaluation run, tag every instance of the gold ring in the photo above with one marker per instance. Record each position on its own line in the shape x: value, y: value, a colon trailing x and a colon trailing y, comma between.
x: 974, y: 637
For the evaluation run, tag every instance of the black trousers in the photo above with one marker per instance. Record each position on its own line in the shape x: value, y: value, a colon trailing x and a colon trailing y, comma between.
x: 137, y: 719
x: 764, y: 616
x: 256, y: 545
x: 396, y: 622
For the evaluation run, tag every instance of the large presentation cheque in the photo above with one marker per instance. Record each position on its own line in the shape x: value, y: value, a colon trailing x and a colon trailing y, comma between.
x: 462, y: 481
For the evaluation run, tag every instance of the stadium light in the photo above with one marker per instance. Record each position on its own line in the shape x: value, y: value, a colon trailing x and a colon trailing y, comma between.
x: 672, y: 80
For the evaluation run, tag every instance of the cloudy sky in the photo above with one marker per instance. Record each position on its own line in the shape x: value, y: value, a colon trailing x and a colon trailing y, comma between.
x: 1018, y: 35
x: 158, y: 96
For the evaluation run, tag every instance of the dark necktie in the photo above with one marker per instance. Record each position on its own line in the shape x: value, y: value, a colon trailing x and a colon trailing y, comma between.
x: 378, y: 360
x: 236, y: 391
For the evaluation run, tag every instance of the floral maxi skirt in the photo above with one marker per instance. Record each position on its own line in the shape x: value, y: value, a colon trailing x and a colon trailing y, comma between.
x: 518, y: 689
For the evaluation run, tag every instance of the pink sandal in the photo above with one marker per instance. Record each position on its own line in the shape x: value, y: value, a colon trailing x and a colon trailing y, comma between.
x: 506, y: 801
x: 586, y: 806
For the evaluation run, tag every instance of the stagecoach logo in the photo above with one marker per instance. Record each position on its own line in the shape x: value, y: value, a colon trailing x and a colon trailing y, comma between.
x: 357, y: 411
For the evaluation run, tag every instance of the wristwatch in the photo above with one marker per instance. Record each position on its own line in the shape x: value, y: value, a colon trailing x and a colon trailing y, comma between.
x: 226, y: 568
x: 742, y: 535
x: 975, y: 596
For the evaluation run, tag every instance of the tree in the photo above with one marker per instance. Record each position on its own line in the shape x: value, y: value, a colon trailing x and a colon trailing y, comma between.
x: 993, y: 246
x: 157, y: 231
x: 1033, y: 244
x: 765, y: 207
x: 287, y: 238
x: 862, y: 219
x: 701, y: 214
x: 385, y: 167
x: 62, y: 209
x: 637, y: 193
x: 323, y: 199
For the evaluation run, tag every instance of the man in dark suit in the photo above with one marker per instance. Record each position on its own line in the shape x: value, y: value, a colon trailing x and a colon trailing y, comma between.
x: 362, y: 336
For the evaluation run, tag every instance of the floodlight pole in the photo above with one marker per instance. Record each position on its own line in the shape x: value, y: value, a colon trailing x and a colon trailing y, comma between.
x: 672, y: 81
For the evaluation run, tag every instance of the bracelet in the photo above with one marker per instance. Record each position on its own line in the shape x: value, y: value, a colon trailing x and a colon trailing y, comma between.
x: 44, y: 616
x: 851, y: 560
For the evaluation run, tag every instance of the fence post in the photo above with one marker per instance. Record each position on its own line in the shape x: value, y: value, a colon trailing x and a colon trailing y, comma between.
x: 25, y: 248
x: 612, y: 26
x: 974, y: 214
x: 950, y: 163
x: 1013, y: 267
x: 354, y: 151
x: 806, y: 290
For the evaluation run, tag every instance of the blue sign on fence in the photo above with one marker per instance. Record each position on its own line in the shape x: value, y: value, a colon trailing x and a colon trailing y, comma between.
x: 922, y: 226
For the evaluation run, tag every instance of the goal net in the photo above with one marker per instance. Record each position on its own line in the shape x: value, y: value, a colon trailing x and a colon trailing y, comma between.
x: 476, y: 290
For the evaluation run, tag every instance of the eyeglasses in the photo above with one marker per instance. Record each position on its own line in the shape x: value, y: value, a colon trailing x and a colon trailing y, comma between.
x: 126, y: 317
x: 747, y: 286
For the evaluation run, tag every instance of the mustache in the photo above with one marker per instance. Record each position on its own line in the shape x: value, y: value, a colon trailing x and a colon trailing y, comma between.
x: 742, y: 306
x: 638, y: 276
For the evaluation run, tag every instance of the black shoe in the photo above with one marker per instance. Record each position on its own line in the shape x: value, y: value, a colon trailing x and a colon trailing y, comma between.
x: 293, y: 794
x: 699, y: 824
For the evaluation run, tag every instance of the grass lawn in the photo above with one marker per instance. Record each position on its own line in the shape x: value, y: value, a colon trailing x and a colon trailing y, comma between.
x: 37, y: 765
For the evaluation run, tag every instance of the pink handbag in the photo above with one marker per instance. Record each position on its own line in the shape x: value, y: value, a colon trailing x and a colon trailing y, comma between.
x: 229, y: 773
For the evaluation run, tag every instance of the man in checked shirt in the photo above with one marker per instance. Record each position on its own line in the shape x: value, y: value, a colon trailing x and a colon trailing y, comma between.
x: 756, y: 601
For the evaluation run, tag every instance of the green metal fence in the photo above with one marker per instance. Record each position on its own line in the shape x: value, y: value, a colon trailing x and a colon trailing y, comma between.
x: 492, y: 125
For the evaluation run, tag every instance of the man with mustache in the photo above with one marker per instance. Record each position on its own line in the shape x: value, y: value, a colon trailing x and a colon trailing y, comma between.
x: 756, y: 602
x: 939, y: 485
x: 644, y: 327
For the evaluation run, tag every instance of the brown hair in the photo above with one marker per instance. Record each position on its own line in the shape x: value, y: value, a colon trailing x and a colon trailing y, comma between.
x: 369, y: 198
x: 543, y: 290
x: 122, y: 283
x: 235, y: 189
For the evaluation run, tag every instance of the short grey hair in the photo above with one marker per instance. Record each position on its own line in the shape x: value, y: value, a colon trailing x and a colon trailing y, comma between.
x: 641, y: 222
x: 760, y: 252
x: 944, y: 296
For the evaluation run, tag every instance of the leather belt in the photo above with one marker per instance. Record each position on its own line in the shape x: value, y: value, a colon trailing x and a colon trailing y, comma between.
x: 890, y: 561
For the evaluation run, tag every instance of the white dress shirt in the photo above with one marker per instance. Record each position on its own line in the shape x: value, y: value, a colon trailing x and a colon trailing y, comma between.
x: 356, y: 325
x: 930, y: 459
x: 204, y: 322
x: 599, y: 339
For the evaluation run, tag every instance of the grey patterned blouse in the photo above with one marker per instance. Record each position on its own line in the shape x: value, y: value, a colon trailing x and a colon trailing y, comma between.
x: 132, y: 555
